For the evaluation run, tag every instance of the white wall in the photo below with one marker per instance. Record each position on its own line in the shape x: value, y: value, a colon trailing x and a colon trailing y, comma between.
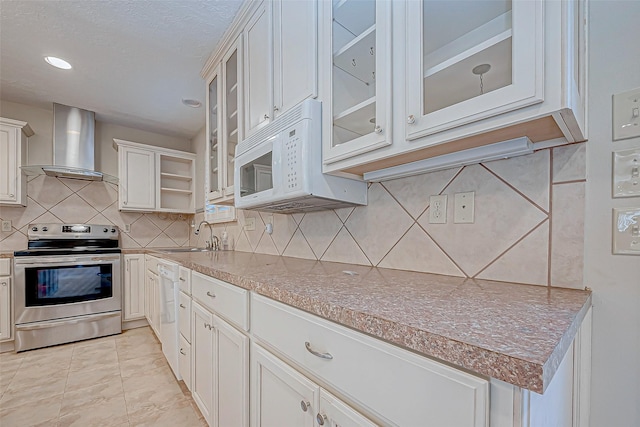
x: 199, y: 146
x: 615, y: 279
x: 40, y: 147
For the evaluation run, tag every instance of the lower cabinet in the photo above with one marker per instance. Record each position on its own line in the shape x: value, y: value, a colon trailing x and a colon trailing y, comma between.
x: 134, y: 292
x: 281, y: 396
x: 152, y: 301
x: 5, y: 308
x: 220, y: 369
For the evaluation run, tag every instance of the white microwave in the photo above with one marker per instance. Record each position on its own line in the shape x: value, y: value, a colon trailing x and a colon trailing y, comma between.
x: 279, y: 168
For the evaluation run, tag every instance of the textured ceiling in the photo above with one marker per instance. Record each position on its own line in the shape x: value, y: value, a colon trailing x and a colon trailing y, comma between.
x: 133, y: 61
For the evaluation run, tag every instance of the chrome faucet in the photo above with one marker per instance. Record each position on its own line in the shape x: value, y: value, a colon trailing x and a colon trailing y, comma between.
x: 213, y: 243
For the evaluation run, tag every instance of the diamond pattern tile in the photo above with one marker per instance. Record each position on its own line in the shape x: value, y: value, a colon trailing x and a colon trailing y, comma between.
x: 74, y: 185
x: 162, y: 241
x: 298, y: 247
x: 378, y: 226
x: 266, y: 246
x: 502, y: 216
x: 99, y: 195
x: 526, y: 262
x: 161, y: 220
x: 15, y: 241
x: 343, y: 213
x: 48, y: 191
x: 144, y: 231
x: 413, y: 192
x: 283, y: 228
x: 20, y: 217
x: 320, y: 228
x: 242, y: 244
x: 254, y: 236
x: 417, y: 252
x: 528, y: 174
x: 74, y: 209
x: 569, y: 162
x: 121, y: 219
x: 178, y: 231
x: 567, y: 235
x: 345, y: 249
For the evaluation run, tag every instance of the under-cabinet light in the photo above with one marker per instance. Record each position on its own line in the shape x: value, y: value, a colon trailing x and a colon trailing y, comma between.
x: 500, y: 150
x: 57, y: 62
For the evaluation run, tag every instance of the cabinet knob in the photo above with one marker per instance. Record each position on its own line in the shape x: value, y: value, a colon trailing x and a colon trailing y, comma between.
x: 266, y: 116
x: 4, y: 283
x: 275, y: 108
x: 305, y: 405
x: 411, y: 119
x: 10, y: 195
x: 124, y: 203
x: 209, y: 294
x: 321, y: 419
x: 184, y: 354
x: 183, y: 306
x: 378, y: 130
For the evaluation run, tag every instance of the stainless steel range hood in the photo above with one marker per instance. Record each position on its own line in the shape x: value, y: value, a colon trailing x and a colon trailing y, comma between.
x: 73, y: 146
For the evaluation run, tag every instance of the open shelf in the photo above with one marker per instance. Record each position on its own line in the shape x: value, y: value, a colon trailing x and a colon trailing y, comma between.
x: 233, y: 136
x: 361, y: 52
x: 176, y: 177
x: 233, y: 88
x: 233, y: 114
x: 357, y: 119
x: 214, y: 109
x: 175, y: 190
x: 355, y: 15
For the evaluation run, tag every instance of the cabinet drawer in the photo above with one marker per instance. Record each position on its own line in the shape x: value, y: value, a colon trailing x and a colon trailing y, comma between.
x: 184, y: 361
x: 226, y: 300
x: 184, y: 278
x: 184, y: 316
x: 396, y: 384
x: 151, y: 263
x: 5, y: 266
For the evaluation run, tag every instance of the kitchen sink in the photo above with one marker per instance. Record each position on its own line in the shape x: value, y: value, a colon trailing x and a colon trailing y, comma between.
x: 172, y: 250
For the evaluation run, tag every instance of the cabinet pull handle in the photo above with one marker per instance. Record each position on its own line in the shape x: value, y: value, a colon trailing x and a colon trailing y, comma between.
x: 266, y: 116
x: 321, y: 419
x: 275, y: 108
x: 411, y: 120
x: 305, y: 405
x: 11, y: 195
x: 4, y: 283
x: 182, y: 279
x: 327, y: 356
x: 209, y: 294
x: 183, y: 306
x: 184, y: 354
x: 378, y: 130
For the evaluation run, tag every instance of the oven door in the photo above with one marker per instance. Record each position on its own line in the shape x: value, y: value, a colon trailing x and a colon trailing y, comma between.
x: 57, y: 287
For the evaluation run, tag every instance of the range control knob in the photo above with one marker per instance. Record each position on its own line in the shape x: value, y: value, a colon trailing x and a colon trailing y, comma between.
x: 105, y: 229
x: 45, y: 229
x: 113, y: 230
x: 34, y: 228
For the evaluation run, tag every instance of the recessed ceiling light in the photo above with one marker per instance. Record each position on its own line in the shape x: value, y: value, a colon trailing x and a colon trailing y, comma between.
x: 57, y: 62
x: 193, y: 103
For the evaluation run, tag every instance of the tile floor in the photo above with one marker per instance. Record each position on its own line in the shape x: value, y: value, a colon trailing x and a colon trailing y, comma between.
x: 122, y: 380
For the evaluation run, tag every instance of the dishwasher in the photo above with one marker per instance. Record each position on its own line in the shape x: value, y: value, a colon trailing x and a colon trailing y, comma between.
x: 169, y: 330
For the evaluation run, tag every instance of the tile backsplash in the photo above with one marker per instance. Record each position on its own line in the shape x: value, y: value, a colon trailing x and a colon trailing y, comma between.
x: 528, y: 228
x: 59, y: 200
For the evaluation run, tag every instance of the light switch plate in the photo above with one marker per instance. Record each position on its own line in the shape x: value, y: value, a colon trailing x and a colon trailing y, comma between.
x: 464, y: 208
x: 626, y: 114
x: 438, y: 209
x: 6, y: 226
x: 626, y: 231
x: 626, y: 173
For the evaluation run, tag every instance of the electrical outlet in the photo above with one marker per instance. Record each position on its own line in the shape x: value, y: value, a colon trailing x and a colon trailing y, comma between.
x: 249, y: 224
x: 6, y: 226
x: 127, y: 228
x: 438, y: 209
x: 626, y: 231
x: 464, y: 208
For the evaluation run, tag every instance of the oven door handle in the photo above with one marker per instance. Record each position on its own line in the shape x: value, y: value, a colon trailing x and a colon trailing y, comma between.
x: 83, y: 319
x: 43, y: 261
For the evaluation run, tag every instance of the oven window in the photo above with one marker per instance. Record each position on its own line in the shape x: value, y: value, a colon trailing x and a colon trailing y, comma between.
x: 67, y: 284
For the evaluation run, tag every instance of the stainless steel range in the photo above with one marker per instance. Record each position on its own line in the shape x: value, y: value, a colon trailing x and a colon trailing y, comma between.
x: 67, y: 285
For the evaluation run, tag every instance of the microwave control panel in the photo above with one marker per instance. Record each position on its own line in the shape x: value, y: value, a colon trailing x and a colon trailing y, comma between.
x: 293, y: 155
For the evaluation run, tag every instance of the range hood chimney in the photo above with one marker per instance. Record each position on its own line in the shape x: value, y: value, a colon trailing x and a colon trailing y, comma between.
x: 73, y: 146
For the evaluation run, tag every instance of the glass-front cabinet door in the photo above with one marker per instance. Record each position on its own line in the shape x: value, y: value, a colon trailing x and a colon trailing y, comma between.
x: 356, y: 112
x: 231, y: 74
x: 214, y: 180
x: 470, y: 59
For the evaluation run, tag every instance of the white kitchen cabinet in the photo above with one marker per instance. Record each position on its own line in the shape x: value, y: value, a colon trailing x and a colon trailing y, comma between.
x: 6, y: 318
x: 224, y: 123
x: 134, y: 275
x: 280, y: 395
x: 356, y: 73
x: 152, y: 294
x: 202, y: 359
x: 155, y: 179
x: 280, y: 68
x: 472, y: 74
x: 13, y: 155
x: 220, y: 352
x: 335, y: 413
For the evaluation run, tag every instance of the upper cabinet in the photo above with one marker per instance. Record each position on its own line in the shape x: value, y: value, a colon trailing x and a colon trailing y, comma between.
x: 356, y: 77
x: 224, y: 123
x: 13, y: 155
x: 155, y: 179
x: 280, y: 59
x: 472, y: 73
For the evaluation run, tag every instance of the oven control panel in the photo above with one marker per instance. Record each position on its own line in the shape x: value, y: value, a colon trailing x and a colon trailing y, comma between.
x: 73, y: 231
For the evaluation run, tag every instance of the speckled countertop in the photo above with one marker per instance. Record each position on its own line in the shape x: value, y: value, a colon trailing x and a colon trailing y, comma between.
x: 515, y: 333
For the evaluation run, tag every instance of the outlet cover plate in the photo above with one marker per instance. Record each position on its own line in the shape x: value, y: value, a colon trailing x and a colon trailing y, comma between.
x: 250, y: 224
x: 6, y: 226
x: 464, y: 208
x: 626, y: 173
x: 438, y: 209
x: 626, y: 231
